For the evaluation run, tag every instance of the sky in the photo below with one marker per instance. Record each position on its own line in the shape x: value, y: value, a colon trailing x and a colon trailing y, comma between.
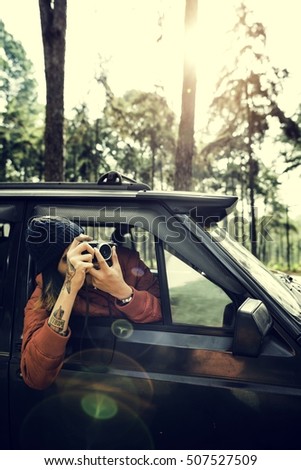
x: 124, y: 34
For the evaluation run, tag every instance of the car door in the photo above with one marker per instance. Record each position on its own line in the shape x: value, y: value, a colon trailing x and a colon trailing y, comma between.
x: 39, y: 418
x: 80, y: 410
x: 10, y: 220
x: 173, y: 384
x: 195, y: 388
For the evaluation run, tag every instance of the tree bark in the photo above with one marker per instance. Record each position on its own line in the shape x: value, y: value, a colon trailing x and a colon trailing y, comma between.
x: 288, y: 244
x: 53, y: 15
x: 252, y: 176
x: 185, y: 145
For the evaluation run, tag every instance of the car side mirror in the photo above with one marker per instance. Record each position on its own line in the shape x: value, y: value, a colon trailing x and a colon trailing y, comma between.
x: 253, y: 321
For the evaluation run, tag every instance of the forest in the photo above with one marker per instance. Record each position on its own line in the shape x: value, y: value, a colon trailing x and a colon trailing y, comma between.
x: 141, y: 136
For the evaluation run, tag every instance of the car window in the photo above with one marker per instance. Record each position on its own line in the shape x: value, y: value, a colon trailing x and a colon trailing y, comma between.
x: 144, y: 243
x: 194, y: 299
x: 121, y: 225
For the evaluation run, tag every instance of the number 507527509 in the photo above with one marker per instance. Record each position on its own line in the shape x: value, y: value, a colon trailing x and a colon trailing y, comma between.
x: 221, y: 459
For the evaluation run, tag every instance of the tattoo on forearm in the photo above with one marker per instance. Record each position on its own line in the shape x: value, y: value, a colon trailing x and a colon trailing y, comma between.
x: 59, y: 324
x: 69, y: 275
x: 58, y: 313
x: 55, y: 320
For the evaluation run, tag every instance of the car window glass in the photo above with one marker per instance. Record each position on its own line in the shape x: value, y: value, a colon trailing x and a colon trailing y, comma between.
x: 144, y: 243
x: 5, y: 229
x: 99, y: 232
x: 194, y: 299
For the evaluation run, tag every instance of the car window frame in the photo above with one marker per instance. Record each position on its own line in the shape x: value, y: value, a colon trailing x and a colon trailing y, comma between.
x: 165, y: 227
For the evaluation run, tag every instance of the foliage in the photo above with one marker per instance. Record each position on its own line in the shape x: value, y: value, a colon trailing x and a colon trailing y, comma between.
x: 144, y: 125
x: 136, y: 134
x: 20, y: 132
x: 84, y: 156
x: 291, y: 145
x: 244, y: 104
x: 280, y: 242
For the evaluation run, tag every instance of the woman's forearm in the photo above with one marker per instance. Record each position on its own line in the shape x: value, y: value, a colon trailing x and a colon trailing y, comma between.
x: 60, y: 315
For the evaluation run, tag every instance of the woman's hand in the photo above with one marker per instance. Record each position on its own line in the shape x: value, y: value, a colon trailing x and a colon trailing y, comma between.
x: 109, y: 278
x: 75, y: 262
x: 79, y: 260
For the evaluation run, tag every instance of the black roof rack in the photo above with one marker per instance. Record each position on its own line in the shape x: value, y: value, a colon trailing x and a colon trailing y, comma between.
x: 113, y: 179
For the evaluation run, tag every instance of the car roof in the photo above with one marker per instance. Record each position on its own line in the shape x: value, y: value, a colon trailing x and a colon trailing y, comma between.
x: 177, y: 202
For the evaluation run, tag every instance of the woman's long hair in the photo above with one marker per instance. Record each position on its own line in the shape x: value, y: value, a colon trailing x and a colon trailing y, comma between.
x: 52, y: 285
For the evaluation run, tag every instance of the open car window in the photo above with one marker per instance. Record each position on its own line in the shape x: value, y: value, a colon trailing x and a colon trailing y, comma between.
x: 194, y: 299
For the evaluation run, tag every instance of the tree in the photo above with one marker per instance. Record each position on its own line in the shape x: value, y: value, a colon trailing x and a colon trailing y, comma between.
x: 185, y: 144
x: 20, y: 138
x: 53, y: 23
x: 291, y: 143
x: 144, y: 126
x: 84, y: 147
x: 245, y: 102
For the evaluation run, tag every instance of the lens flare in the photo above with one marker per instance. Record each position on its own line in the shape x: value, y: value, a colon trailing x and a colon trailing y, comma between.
x: 99, y: 405
x: 81, y: 419
x: 122, y: 328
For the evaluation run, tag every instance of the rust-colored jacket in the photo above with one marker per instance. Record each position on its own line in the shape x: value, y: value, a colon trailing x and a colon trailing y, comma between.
x: 43, y: 350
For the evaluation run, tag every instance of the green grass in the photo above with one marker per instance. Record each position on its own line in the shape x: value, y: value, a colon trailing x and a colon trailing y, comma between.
x: 198, y: 303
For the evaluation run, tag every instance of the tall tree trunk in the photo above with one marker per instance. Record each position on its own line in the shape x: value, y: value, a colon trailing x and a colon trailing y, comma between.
x: 153, y: 154
x: 4, y: 157
x: 251, y: 182
x: 53, y: 23
x: 253, y: 230
x: 242, y: 197
x: 185, y: 145
x: 288, y: 244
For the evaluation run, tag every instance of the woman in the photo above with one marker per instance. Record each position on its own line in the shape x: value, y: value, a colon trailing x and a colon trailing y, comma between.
x: 65, y: 263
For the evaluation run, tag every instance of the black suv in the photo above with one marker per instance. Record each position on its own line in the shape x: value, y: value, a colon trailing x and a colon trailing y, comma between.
x: 222, y: 370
